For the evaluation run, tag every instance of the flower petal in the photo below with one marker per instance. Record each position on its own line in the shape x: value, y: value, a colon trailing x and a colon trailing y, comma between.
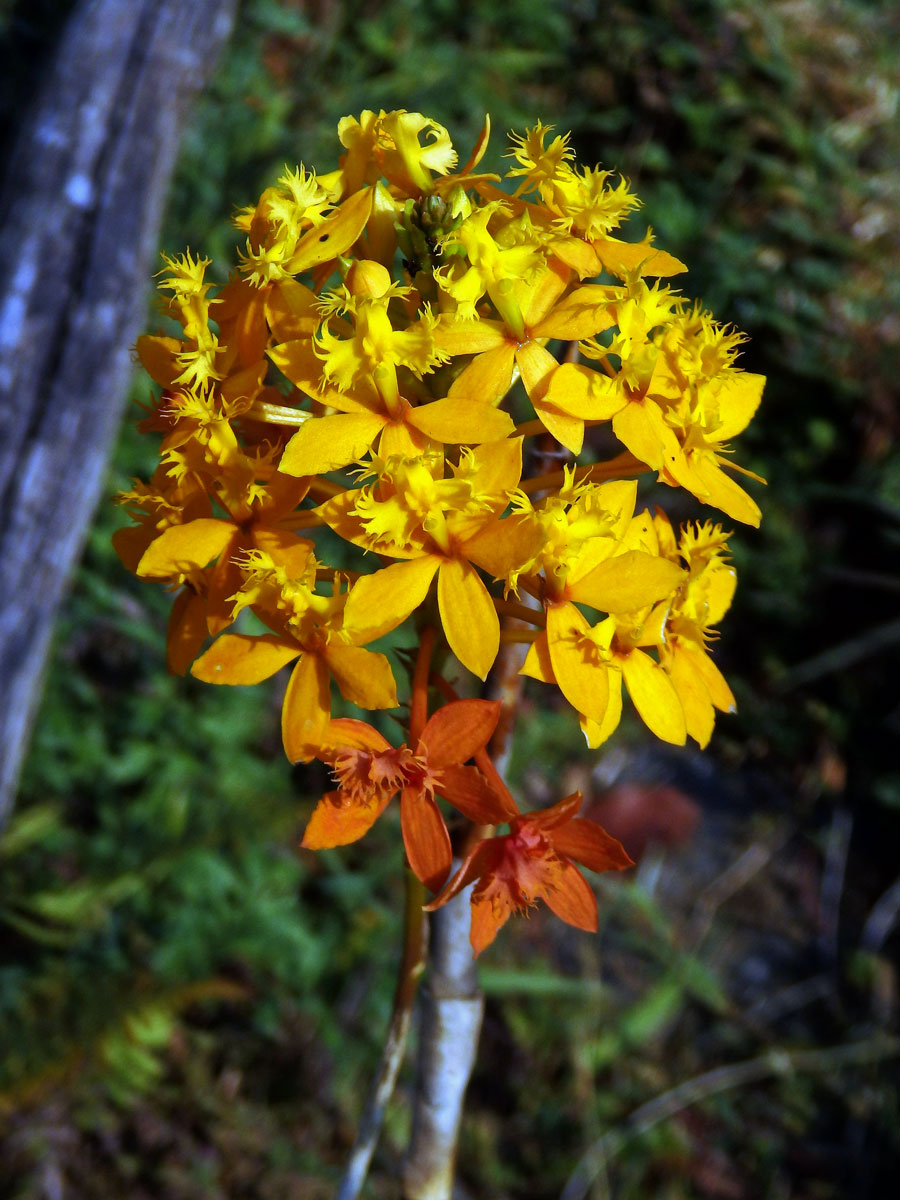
x: 468, y: 615
x: 324, y: 444
x: 471, y: 794
x: 236, y: 658
x: 186, y: 632
x: 362, y: 675
x: 183, y: 548
x: 627, y: 582
x: 590, y: 844
x: 425, y: 838
x: 455, y: 420
x: 333, y: 236
x: 572, y: 899
x: 338, y: 821
x: 483, y: 858
x: 306, y: 709
x: 347, y: 733
x: 379, y: 602
x: 488, y: 918
x: 455, y: 732
x: 581, y: 678
x: 654, y: 697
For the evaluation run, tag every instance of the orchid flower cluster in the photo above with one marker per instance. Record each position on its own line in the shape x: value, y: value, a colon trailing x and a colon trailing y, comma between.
x: 450, y: 383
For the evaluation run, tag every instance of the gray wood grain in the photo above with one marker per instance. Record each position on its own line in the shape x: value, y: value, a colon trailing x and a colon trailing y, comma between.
x: 80, y: 212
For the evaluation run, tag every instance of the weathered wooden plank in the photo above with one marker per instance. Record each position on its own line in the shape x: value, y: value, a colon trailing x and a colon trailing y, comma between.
x: 79, y: 221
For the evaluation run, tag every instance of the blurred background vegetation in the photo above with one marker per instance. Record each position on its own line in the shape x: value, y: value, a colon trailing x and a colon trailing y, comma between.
x: 191, y: 1008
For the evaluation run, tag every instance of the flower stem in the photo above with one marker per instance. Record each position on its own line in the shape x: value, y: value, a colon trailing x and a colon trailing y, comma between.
x: 411, y: 967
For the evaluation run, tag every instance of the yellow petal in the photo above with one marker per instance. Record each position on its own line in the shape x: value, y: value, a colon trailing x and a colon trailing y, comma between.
x: 699, y: 714
x: 456, y: 336
x: 738, y: 399
x: 399, y: 438
x: 537, y: 663
x: 488, y: 376
x: 499, y: 466
x: 306, y: 709
x: 236, y: 658
x: 723, y: 492
x: 627, y: 582
x: 333, y: 236
x: 324, y: 444
x: 568, y: 430
x: 640, y: 426
x: 620, y: 258
x: 363, y: 676
x: 379, y: 602
x: 582, y: 677
x: 583, y: 392
x: 454, y: 421
x: 468, y: 615
x: 583, y: 313
x: 597, y: 732
x: 183, y: 548
x: 536, y: 365
x: 654, y: 697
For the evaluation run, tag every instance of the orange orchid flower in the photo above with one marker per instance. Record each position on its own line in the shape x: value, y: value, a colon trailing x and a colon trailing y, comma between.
x: 534, y: 861
x: 370, y: 771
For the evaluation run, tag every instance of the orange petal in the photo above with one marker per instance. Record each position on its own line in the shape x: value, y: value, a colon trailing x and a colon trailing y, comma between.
x: 572, y: 899
x: 455, y: 732
x: 346, y: 732
x: 186, y: 632
x: 471, y: 794
x: 157, y: 355
x: 338, y: 821
x: 590, y: 844
x: 379, y: 602
x: 468, y: 615
x: 488, y: 919
x: 480, y: 861
x: 362, y: 675
x: 425, y: 838
x: 183, y: 548
x: 581, y: 680
x: 306, y: 709
x: 236, y: 658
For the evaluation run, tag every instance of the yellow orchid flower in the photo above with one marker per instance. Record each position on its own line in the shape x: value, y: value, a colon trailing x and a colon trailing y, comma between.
x: 308, y: 628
